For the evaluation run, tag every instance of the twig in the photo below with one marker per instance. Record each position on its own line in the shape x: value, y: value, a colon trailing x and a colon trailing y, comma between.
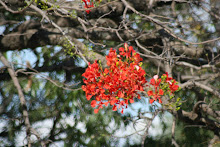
x: 12, y: 11
x: 63, y: 86
x: 44, y: 16
x: 193, y: 66
x: 173, y: 132
x: 215, y: 140
x: 147, y: 127
x: 164, y: 27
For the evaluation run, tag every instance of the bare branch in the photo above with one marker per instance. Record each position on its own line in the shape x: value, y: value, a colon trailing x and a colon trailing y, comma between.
x: 195, y: 67
x: 12, y: 11
x: 173, y: 132
x: 148, y: 127
x: 198, y: 84
x: 22, y: 99
x: 56, y: 26
x: 157, y: 22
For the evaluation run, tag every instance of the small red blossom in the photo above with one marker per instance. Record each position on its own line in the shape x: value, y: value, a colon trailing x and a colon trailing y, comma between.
x: 157, y: 83
x: 172, y: 83
x: 168, y: 79
x: 88, y: 4
x: 93, y: 103
x: 122, y: 111
x: 96, y: 110
x: 88, y: 97
x: 114, y: 108
x: 151, y: 101
x: 161, y: 92
x: 150, y: 93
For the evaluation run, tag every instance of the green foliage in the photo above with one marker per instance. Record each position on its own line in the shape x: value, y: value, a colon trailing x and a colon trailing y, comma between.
x: 42, y: 4
x: 73, y: 14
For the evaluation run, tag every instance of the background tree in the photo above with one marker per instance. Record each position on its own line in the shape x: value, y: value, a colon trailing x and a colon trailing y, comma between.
x: 45, y: 47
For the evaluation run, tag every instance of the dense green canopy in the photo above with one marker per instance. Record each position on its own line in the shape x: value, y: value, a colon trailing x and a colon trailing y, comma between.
x: 45, y: 46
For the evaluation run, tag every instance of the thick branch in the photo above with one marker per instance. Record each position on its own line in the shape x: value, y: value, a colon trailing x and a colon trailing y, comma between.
x: 200, y: 85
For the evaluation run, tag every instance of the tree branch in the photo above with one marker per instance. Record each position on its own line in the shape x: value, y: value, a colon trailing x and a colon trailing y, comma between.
x: 21, y: 97
x: 200, y: 85
x: 173, y: 133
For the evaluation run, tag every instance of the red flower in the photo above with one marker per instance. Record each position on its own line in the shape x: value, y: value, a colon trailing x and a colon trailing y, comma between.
x: 167, y: 76
x: 114, y: 108
x: 173, y: 86
x: 122, y: 111
x: 155, y: 95
x: 172, y: 83
x: 150, y: 92
x: 122, y: 80
x: 151, y: 101
x: 155, y: 82
x: 114, y: 84
x: 131, y: 101
x: 93, y: 103
x: 120, y: 94
x: 96, y: 110
x: 161, y: 92
x: 160, y: 101
x: 88, y: 97
x: 88, y: 4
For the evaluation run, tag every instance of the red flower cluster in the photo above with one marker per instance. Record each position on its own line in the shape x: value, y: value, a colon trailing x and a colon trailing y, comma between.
x: 157, y: 93
x: 118, y: 84
x: 88, y: 4
x: 165, y: 83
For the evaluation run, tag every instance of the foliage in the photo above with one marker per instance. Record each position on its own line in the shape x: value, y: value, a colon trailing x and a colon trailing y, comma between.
x: 48, y: 45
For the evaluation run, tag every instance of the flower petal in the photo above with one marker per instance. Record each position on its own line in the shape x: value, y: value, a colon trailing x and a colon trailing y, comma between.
x: 131, y: 101
x: 93, y: 103
x: 151, y: 101
x: 96, y: 111
x: 161, y: 92
x: 114, y: 108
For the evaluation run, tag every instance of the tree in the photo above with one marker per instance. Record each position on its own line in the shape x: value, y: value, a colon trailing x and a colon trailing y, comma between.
x: 45, y: 47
